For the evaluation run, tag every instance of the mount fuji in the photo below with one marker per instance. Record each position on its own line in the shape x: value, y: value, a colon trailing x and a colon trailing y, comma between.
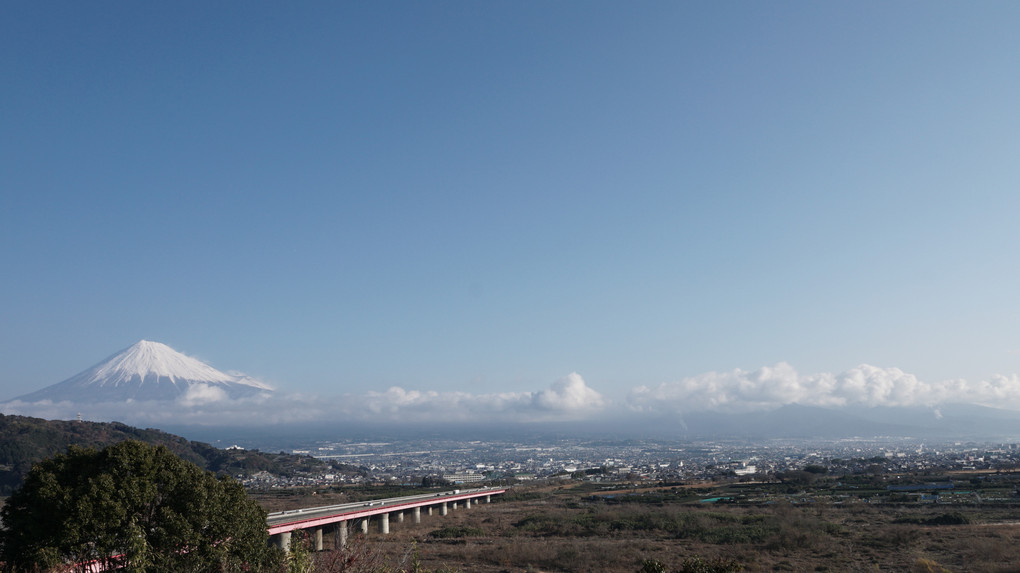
x: 149, y: 371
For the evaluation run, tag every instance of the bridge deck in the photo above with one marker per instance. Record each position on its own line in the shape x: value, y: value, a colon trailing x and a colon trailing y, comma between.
x: 284, y: 521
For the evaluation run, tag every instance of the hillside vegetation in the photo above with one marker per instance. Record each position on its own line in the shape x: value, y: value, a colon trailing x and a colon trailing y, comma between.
x: 25, y: 441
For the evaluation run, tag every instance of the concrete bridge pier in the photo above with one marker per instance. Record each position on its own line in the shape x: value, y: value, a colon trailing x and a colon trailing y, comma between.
x: 400, y: 517
x: 488, y: 499
x: 318, y: 539
x: 283, y: 541
x: 443, y: 509
x: 364, y: 526
x: 430, y: 510
x: 467, y: 503
x: 453, y: 505
x: 384, y: 523
x: 341, y: 533
x: 416, y: 514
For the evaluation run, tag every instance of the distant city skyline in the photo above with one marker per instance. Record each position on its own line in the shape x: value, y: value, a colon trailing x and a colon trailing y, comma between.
x: 586, y: 207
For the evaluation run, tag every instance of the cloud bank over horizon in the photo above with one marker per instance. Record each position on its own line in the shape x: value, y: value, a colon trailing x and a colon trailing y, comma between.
x: 771, y: 387
x: 568, y: 399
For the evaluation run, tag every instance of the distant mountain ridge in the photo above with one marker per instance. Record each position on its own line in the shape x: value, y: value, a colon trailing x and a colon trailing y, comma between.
x: 147, y: 371
x: 948, y: 421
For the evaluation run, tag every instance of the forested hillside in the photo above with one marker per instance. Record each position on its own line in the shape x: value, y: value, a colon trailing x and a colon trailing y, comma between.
x: 24, y: 441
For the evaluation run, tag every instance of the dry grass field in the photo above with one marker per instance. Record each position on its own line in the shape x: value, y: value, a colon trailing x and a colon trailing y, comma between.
x: 565, y: 529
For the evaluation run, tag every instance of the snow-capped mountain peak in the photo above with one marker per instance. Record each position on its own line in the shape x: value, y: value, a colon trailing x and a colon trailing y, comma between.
x: 147, y: 370
x: 146, y: 358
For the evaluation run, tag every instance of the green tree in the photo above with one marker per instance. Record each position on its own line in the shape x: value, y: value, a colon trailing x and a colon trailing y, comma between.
x: 136, y: 505
x: 300, y: 558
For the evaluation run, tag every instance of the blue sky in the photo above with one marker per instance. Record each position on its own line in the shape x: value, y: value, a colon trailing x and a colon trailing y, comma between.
x: 486, y: 197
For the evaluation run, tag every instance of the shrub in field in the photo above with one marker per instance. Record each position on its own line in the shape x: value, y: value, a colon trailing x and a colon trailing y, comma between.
x: 698, y: 564
x: 694, y: 564
x: 652, y: 566
x: 927, y: 566
x: 455, y: 532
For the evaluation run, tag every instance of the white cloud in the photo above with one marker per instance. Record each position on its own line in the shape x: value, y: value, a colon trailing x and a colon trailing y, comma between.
x: 200, y: 394
x: 568, y: 398
x: 864, y: 385
x: 738, y: 390
x: 569, y: 394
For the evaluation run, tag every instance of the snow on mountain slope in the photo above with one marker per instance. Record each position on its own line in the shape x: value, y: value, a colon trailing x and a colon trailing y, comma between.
x: 150, y: 371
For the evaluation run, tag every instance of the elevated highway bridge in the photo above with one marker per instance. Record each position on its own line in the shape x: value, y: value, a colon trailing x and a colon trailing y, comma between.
x: 337, y: 518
